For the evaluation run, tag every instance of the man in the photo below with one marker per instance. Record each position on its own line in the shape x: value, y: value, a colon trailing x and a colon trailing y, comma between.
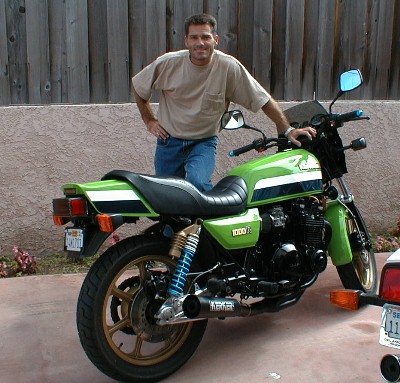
x: 197, y: 86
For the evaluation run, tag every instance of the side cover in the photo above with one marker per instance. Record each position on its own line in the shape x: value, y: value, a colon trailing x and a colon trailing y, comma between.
x: 112, y: 197
x: 281, y: 176
x: 236, y: 232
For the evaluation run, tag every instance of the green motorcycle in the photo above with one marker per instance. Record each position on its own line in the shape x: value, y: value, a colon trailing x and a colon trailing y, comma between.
x: 251, y: 245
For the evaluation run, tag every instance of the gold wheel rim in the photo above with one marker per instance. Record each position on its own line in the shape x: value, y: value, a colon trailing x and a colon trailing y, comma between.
x: 149, y: 344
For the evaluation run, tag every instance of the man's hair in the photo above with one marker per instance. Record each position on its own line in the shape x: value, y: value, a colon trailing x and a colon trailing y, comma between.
x: 201, y: 19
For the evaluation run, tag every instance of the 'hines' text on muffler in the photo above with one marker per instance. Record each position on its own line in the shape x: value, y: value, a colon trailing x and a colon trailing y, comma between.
x: 204, y: 307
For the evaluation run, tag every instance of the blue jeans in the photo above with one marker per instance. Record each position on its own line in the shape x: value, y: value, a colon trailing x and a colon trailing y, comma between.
x: 193, y: 160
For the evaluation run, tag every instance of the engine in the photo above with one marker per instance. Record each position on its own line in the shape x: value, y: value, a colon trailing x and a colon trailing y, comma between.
x: 295, y: 237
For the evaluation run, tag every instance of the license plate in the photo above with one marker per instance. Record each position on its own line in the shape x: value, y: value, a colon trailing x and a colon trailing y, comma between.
x: 390, y: 326
x: 73, y: 239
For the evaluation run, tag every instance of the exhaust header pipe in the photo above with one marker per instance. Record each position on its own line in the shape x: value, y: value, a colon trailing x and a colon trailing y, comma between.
x: 390, y: 368
x: 205, y: 307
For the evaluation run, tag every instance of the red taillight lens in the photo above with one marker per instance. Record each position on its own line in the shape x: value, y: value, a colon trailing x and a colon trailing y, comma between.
x: 390, y: 284
x: 69, y: 207
x: 78, y: 206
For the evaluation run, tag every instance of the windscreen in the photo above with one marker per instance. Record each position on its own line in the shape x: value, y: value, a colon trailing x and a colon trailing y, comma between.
x: 301, y: 114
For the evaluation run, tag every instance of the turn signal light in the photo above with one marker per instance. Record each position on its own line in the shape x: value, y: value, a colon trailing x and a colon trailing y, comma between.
x: 105, y: 223
x: 59, y: 221
x: 390, y: 284
x: 347, y: 299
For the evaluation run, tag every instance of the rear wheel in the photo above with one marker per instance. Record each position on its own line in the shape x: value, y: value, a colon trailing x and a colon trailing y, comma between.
x: 361, y: 273
x: 116, y: 308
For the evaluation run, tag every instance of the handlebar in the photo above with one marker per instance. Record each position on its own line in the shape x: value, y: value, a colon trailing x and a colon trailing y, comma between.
x: 339, y: 119
x: 259, y: 144
x: 335, y: 120
x: 243, y: 149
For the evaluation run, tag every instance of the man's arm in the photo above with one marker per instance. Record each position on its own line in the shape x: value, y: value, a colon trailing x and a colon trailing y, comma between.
x: 148, y: 116
x: 275, y: 113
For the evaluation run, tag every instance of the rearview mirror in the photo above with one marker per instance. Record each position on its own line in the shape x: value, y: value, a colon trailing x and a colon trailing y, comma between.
x: 232, y: 120
x: 350, y: 80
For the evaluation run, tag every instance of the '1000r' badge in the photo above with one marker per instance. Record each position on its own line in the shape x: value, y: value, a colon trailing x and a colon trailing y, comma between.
x: 241, y: 231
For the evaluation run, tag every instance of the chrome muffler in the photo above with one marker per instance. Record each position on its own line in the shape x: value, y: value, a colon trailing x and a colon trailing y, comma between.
x: 390, y: 368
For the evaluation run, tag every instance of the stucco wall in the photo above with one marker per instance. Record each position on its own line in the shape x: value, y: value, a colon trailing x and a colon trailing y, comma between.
x: 43, y: 147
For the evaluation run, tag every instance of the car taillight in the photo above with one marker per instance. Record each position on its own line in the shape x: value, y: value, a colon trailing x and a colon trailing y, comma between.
x: 390, y: 284
x: 64, y: 208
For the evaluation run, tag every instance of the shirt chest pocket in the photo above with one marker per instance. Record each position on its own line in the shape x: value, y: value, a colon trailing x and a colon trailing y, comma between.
x: 213, y: 103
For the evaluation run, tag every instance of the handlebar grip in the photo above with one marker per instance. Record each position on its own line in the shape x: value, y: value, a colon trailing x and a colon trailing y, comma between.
x: 340, y: 118
x: 241, y: 150
x: 304, y: 140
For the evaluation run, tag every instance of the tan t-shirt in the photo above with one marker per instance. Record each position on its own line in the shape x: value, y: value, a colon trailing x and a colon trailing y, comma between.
x: 193, y: 98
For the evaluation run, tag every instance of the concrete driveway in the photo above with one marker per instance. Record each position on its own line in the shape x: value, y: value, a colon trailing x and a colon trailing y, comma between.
x: 312, y: 341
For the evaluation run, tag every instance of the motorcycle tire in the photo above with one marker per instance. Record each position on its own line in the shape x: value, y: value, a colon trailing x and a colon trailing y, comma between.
x: 361, y: 273
x: 115, y: 314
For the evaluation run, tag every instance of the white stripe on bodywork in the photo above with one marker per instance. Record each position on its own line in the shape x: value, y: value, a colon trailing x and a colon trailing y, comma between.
x: 289, y: 179
x: 112, y: 195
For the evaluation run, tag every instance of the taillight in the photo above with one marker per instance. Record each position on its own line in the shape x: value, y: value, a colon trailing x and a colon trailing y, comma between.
x: 78, y: 206
x: 68, y: 208
x: 347, y: 299
x: 390, y: 284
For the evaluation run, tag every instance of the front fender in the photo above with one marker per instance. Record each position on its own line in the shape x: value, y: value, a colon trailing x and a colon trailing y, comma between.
x: 339, y: 248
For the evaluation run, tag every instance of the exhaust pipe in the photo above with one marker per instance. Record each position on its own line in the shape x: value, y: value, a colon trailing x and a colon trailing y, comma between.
x: 390, y: 368
x: 204, y: 307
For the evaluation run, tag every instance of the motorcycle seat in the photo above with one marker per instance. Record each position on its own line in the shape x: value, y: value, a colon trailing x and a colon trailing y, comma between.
x: 176, y: 196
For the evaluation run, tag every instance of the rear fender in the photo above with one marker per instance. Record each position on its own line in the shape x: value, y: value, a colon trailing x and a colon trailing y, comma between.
x: 93, y: 239
x: 339, y: 248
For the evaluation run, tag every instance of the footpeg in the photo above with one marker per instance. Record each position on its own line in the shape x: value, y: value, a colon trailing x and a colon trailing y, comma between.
x: 269, y: 288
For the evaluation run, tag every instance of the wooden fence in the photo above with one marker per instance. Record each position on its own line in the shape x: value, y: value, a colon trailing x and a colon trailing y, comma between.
x: 86, y: 51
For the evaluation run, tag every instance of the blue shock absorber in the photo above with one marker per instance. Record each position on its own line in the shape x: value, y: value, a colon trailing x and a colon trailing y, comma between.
x: 182, y: 268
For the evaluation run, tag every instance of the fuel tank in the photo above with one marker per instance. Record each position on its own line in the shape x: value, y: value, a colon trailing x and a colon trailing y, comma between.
x: 281, y: 176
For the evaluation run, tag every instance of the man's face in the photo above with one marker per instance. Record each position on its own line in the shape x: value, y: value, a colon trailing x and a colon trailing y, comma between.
x: 200, y: 42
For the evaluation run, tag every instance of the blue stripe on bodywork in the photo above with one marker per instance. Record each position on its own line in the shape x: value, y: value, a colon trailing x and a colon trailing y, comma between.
x: 285, y: 190
x: 121, y: 207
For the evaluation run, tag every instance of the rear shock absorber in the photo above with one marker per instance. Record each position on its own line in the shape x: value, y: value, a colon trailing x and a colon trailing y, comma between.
x: 179, y: 278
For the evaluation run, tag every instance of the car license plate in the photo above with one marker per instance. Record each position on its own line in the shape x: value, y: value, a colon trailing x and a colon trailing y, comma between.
x: 390, y: 326
x: 73, y: 239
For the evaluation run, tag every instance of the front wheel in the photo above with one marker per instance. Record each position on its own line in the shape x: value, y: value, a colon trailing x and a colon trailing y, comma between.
x: 361, y: 273
x: 116, y: 308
